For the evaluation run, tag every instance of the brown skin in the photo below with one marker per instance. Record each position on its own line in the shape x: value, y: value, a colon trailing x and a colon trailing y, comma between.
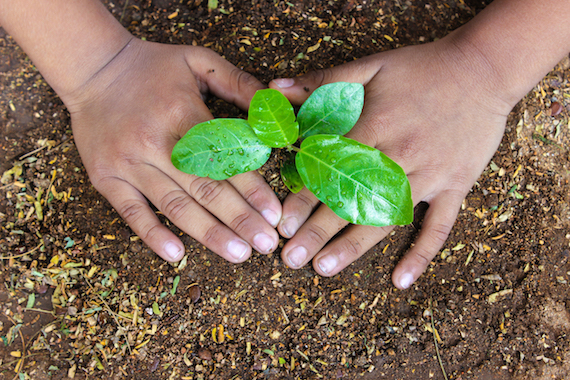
x: 130, y: 101
x: 439, y: 110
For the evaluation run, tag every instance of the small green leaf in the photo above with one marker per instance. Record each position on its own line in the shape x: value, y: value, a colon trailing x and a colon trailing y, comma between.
x: 359, y: 183
x: 291, y: 177
x: 272, y: 118
x: 212, y: 4
x: 175, y: 285
x: 219, y: 149
x: 331, y: 109
x: 31, y: 301
x: 156, y: 309
x: 69, y: 242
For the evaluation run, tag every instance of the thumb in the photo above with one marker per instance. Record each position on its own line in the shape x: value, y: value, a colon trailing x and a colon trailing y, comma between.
x: 222, y: 79
x: 298, y: 89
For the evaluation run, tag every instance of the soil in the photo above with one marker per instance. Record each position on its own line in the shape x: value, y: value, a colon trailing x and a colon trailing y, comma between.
x: 83, y: 297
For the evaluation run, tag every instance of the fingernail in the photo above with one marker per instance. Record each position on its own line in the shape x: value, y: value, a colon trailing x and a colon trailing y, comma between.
x: 284, y: 82
x: 290, y: 226
x: 172, y: 251
x: 328, y: 263
x: 271, y: 217
x: 297, y: 256
x: 263, y: 242
x: 406, y: 280
x: 238, y: 249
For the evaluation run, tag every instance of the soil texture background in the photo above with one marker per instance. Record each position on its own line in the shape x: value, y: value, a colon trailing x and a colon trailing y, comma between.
x: 82, y: 297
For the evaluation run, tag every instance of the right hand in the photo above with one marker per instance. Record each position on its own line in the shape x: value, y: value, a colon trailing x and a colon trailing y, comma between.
x: 428, y: 108
x: 126, y: 120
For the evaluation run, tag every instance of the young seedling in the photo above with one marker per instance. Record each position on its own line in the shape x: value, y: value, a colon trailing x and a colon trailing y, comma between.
x: 358, y: 182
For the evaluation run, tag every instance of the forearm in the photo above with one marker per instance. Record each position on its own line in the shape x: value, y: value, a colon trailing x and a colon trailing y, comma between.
x: 516, y: 42
x: 68, y: 40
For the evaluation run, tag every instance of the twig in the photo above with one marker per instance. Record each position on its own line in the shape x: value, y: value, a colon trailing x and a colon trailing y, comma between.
x: 40, y: 311
x: 21, y: 254
x: 7, y: 364
x: 435, y: 341
x: 32, y: 152
x: 124, y: 10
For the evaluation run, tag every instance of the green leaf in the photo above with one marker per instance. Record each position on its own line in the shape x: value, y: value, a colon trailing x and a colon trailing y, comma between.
x: 272, y: 118
x: 31, y: 301
x: 331, y: 109
x: 291, y: 177
x: 156, y: 309
x: 359, y: 183
x: 175, y: 285
x: 219, y: 149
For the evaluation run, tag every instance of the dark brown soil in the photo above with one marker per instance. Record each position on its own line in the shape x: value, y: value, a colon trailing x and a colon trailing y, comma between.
x: 497, y: 296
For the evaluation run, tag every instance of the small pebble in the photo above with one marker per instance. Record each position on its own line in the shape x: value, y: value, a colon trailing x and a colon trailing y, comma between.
x: 555, y: 109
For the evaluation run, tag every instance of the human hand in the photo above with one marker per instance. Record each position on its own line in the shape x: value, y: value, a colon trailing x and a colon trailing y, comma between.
x: 126, y: 120
x: 431, y: 108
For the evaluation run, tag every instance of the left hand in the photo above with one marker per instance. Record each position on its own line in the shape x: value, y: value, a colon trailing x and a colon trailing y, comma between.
x: 433, y: 111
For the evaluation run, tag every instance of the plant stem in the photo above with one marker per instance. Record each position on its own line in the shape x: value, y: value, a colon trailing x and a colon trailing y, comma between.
x: 294, y: 148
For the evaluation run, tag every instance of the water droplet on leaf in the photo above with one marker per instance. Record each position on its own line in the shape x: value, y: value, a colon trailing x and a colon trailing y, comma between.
x: 340, y: 204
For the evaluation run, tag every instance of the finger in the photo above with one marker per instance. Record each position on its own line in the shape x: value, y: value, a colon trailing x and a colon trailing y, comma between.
x: 258, y: 194
x: 296, y: 210
x: 181, y: 210
x: 224, y: 202
x: 354, y: 242
x: 311, y: 237
x: 438, y: 221
x: 222, y: 78
x: 135, y: 210
x: 298, y: 89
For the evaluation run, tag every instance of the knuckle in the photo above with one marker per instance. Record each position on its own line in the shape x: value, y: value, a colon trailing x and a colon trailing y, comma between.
x: 240, y: 222
x: 149, y: 234
x: 304, y: 202
x: 351, y: 247
x: 253, y: 195
x: 408, y: 147
x: 422, y: 256
x: 206, y: 190
x: 317, y: 234
x: 132, y: 211
x: 212, y: 236
x: 243, y: 79
x: 178, y: 110
x: 320, y: 77
x: 174, y: 204
x: 439, y: 234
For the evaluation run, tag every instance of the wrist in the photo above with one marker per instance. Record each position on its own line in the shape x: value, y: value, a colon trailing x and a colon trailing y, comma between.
x: 506, y: 56
x: 67, y: 41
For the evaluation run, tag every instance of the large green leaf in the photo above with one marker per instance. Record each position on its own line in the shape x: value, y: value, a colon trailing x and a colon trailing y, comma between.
x: 331, y: 109
x: 272, y: 118
x: 359, y: 183
x: 219, y: 149
x: 290, y: 176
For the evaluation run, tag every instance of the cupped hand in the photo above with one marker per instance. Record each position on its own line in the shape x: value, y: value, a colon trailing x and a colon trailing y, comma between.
x: 434, y: 110
x: 126, y: 120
